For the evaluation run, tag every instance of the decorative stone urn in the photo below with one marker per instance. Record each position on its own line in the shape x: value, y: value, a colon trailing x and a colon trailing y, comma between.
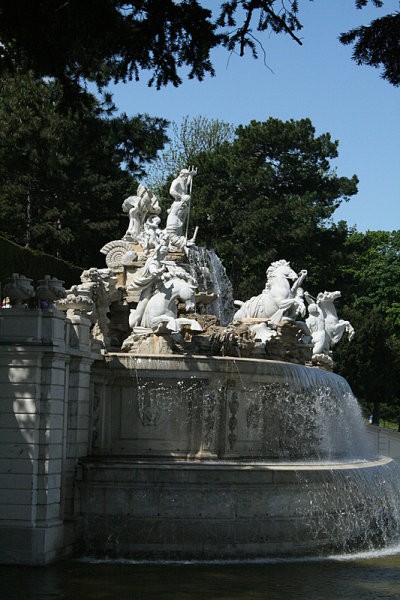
x: 19, y: 289
x: 49, y: 290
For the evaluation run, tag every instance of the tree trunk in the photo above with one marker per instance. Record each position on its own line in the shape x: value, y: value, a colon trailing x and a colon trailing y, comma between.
x: 376, y: 413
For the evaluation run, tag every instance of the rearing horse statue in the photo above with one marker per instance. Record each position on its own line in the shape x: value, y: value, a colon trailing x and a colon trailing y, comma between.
x: 279, y: 299
x: 334, y: 327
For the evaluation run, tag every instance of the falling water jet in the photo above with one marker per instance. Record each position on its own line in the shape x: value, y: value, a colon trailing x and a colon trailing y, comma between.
x: 213, y: 283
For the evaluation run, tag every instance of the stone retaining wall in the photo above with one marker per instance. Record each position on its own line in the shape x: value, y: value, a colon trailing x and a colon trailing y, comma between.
x: 386, y: 442
x: 45, y: 362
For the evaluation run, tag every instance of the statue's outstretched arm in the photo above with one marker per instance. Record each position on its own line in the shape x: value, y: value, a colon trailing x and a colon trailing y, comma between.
x: 299, y: 280
x: 309, y: 298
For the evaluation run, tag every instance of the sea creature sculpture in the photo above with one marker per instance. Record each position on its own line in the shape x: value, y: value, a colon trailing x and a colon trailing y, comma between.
x: 279, y: 300
x: 161, y: 310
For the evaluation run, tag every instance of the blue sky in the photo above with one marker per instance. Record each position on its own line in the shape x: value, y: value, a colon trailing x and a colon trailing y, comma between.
x: 317, y: 80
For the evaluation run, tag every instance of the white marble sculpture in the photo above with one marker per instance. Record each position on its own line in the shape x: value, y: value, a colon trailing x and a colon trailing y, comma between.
x: 92, y: 299
x: 334, y: 326
x: 316, y: 326
x: 158, y: 281
x: 178, y: 213
x: 162, y: 283
x: 145, y: 281
x: 76, y: 302
x: 161, y: 312
x: 150, y: 237
x: 115, y: 254
x: 325, y: 327
x: 279, y: 300
x: 139, y: 208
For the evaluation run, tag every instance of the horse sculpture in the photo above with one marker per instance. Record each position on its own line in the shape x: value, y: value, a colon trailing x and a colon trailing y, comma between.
x: 162, y: 306
x: 279, y: 299
x: 334, y: 327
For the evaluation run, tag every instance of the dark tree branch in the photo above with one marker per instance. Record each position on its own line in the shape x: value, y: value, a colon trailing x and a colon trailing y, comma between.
x: 283, y: 25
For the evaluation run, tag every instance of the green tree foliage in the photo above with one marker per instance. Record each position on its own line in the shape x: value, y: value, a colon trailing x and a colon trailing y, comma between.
x: 116, y: 40
x: 64, y: 172
x: 370, y: 282
x: 267, y: 195
x: 377, y: 44
x: 188, y: 139
x: 17, y: 259
x: 103, y: 40
x: 324, y: 255
x: 371, y: 268
x: 371, y: 364
x: 243, y: 17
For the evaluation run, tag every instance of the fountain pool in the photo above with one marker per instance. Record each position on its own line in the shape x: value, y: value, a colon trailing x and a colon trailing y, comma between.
x: 221, y: 458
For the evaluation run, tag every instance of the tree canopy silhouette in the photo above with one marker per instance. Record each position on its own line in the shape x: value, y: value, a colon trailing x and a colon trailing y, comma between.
x: 118, y: 40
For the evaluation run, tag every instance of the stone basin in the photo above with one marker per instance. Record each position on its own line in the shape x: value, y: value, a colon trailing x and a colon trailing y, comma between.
x: 199, y: 457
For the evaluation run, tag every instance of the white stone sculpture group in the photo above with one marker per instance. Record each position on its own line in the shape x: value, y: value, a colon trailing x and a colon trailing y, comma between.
x: 283, y: 299
x: 159, y: 282
x: 144, y: 221
x: 281, y: 302
x: 149, y: 273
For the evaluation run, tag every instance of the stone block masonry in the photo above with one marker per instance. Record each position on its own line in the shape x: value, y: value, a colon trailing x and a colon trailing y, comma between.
x: 45, y: 363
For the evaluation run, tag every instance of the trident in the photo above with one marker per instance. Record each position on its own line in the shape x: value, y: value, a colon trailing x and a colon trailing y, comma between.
x: 192, y: 171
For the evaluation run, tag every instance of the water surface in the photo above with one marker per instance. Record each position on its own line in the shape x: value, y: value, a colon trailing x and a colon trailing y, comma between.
x: 357, y: 578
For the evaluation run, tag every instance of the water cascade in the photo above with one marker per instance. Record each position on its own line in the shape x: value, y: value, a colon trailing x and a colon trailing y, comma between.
x: 217, y: 435
x: 216, y: 289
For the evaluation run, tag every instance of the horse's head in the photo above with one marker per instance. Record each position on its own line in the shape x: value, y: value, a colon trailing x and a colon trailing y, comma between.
x: 328, y: 296
x: 282, y: 269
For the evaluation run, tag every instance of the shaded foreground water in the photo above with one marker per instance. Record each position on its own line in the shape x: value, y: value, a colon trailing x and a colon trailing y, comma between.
x: 361, y: 577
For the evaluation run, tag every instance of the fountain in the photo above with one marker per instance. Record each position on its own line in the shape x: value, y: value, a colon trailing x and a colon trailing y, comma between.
x: 219, y: 434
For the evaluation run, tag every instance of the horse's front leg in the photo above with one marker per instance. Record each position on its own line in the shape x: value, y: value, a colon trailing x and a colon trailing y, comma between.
x: 338, y: 332
x: 350, y: 331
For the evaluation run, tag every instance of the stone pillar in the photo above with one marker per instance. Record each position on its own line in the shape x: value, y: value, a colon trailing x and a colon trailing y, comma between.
x: 78, y: 427
x: 44, y: 417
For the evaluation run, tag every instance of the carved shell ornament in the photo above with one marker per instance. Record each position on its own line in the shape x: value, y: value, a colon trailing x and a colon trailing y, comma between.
x: 115, y: 251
